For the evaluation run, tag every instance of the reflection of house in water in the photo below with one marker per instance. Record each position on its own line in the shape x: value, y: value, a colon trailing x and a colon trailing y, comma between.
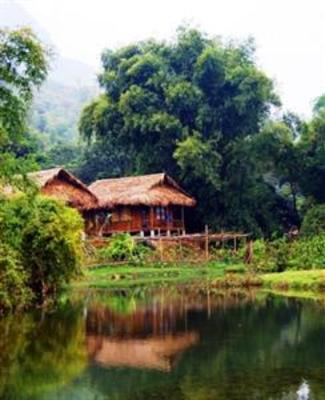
x: 150, y: 337
x: 153, y: 335
x: 155, y: 352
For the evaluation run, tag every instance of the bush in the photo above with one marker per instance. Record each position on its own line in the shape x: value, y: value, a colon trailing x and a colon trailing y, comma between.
x: 46, y: 236
x: 264, y: 257
x: 123, y: 247
x: 14, y: 292
x: 306, y: 253
x: 280, y: 255
x: 314, y: 221
x: 51, y: 245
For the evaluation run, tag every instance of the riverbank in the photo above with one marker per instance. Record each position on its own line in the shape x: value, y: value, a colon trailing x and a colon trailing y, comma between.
x: 299, y: 280
x: 125, y: 276
x: 217, y: 274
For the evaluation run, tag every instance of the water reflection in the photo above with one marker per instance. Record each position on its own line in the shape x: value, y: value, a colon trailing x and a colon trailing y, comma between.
x: 303, y: 393
x: 39, y: 353
x: 159, y: 353
x: 180, y: 343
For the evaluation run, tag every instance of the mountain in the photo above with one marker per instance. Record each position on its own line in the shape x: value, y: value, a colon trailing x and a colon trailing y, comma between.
x: 56, y: 109
x: 70, y: 84
x: 72, y: 72
x: 63, y: 70
x: 13, y: 15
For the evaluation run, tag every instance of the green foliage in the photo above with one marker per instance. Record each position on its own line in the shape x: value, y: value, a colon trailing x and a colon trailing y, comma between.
x: 61, y: 357
x: 198, y: 158
x: 51, y: 244
x: 46, y: 236
x: 306, y: 253
x: 319, y: 104
x: 123, y: 247
x: 266, y: 257
x: 281, y: 255
x: 62, y: 154
x: 40, y: 239
x: 23, y: 65
x: 14, y: 292
x: 314, y: 221
x: 55, y: 111
x: 188, y: 108
x: 312, y: 146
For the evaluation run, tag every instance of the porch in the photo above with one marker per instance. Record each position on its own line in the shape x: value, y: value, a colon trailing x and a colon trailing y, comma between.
x: 145, y: 221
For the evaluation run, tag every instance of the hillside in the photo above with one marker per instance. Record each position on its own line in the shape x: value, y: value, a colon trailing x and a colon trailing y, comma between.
x: 70, y: 84
x: 56, y: 110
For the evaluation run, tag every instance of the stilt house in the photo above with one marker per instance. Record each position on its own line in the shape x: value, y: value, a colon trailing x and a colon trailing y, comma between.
x: 140, y: 204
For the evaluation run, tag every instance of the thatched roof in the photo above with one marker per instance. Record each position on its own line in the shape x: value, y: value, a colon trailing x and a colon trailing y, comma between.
x: 149, y: 190
x: 59, y: 183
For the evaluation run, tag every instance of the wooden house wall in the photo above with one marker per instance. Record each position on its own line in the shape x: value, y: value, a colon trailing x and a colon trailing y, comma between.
x: 134, y: 220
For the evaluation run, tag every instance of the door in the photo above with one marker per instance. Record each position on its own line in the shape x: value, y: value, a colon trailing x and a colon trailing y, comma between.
x: 145, y: 217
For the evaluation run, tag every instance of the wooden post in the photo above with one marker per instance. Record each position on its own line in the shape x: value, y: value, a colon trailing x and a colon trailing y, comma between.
x: 151, y: 218
x: 249, y: 252
x: 152, y: 231
x: 160, y: 247
x: 183, y: 219
x: 235, y: 244
x: 180, y: 248
x: 206, y: 242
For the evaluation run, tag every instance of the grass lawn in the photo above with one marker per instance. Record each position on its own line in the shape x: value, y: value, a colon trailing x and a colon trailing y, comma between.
x: 302, y: 280
x: 218, y: 274
x: 125, y: 276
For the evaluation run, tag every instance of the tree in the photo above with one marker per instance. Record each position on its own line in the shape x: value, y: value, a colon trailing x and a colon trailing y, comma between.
x: 279, y: 155
x: 319, y: 104
x: 40, y: 239
x: 46, y: 235
x: 187, y: 108
x: 312, y: 146
x: 314, y: 221
x: 23, y: 66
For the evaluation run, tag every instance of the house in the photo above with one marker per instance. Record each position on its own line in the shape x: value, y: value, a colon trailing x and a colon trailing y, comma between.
x: 145, y: 204
x: 62, y: 185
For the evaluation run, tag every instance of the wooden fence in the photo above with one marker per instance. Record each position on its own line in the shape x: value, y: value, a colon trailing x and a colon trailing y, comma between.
x: 183, y: 248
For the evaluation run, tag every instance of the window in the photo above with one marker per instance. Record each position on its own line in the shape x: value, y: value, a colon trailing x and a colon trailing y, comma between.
x: 121, y: 215
x: 161, y: 214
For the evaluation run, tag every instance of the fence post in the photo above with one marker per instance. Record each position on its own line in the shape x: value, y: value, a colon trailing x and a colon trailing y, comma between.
x: 206, y: 242
x: 160, y: 247
x: 249, y: 252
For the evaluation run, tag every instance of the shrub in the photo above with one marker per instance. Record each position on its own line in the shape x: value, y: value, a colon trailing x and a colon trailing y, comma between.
x: 123, y: 247
x: 306, y: 253
x: 46, y: 235
x: 314, y: 221
x: 280, y: 255
x: 51, y: 245
x: 228, y: 255
x: 263, y: 257
x: 14, y: 292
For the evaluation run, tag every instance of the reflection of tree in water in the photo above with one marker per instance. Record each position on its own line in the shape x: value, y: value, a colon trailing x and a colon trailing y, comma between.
x: 40, y: 353
x: 248, y: 349
x: 199, y: 344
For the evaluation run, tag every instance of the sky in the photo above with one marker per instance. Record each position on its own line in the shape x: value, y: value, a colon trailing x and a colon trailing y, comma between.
x: 290, y: 34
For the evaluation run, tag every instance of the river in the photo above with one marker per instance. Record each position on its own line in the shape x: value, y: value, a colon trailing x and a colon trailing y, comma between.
x: 168, y: 343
